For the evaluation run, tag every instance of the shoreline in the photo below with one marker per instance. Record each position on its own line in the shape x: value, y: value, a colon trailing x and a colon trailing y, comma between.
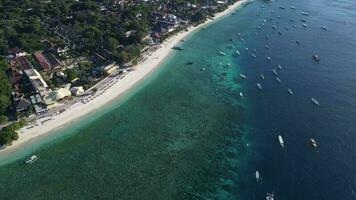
x: 120, y: 86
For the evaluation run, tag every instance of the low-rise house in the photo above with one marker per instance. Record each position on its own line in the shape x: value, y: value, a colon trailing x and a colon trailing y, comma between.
x: 42, y: 61
x: 22, y: 104
x: 16, y: 52
x: 23, y: 63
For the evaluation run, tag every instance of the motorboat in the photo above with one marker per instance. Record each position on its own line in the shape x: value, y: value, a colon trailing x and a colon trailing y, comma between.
x: 279, y: 67
x: 278, y: 80
x: 258, y: 178
x: 305, y: 25
x: 268, y: 58
x: 281, y: 7
x: 270, y: 196
x: 292, y: 7
x: 259, y: 86
x: 280, y: 140
x: 203, y: 69
x: 266, y: 46
x: 316, y: 58
x: 324, y: 28
x: 237, y: 52
x: 279, y: 32
x: 253, y: 55
x: 241, y: 94
x: 274, y: 27
x: 31, y: 159
x: 246, y: 49
x: 262, y: 77
x: 314, y: 101
x: 290, y: 91
x: 275, y: 72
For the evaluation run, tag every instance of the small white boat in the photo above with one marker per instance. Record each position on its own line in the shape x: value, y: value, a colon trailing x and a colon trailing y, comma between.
x: 268, y: 58
x: 203, y: 69
x: 246, y: 49
x: 258, y: 178
x: 222, y: 53
x: 324, y: 28
x: 259, y: 86
x: 241, y: 94
x: 237, y: 52
x: 292, y: 7
x: 290, y: 91
x: 274, y: 27
x: 312, y: 142
x: 243, y: 76
x: 253, y: 55
x: 305, y: 25
x: 275, y: 72
x: 270, y: 196
x: 280, y: 140
x: 316, y: 58
x: 262, y: 77
x: 278, y: 80
x: 31, y: 159
x: 279, y: 67
x: 314, y: 101
x: 305, y: 13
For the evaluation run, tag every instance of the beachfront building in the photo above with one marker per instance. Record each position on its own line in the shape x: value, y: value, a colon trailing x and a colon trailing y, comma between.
x: 38, y: 82
x: 110, y: 67
x: 77, y: 91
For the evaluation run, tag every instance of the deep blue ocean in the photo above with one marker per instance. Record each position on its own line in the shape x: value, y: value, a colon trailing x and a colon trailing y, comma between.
x: 186, y: 133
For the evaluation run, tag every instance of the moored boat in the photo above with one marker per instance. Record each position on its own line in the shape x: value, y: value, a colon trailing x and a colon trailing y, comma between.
x: 274, y: 71
x: 312, y: 142
x: 269, y: 58
x: 259, y: 86
x: 31, y: 159
x: 222, y: 53
x: 270, y: 196
x: 258, y: 178
x: 243, y: 76
x: 262, y: 77
x: 316, y: 58
x: 280, y: 140
x: 278, y: 80
x: 314, y: 101
x: 290, y: 91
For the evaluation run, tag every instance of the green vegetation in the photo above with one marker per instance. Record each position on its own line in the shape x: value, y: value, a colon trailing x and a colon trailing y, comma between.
x: 9, y: 133
x: 5, y: 88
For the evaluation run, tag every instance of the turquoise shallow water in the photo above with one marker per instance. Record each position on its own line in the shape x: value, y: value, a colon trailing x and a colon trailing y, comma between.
x: 185, y: 133
x: 176, y: 136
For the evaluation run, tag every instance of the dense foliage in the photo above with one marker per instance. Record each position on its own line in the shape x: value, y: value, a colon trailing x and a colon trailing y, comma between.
x: 9, y: 133
x: 5, y: 88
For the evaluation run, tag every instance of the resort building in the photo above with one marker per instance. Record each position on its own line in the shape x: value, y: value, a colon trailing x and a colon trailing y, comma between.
x: 37, y: 82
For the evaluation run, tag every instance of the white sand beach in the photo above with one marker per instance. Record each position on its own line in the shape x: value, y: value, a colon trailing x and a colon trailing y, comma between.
x: 117, y: 87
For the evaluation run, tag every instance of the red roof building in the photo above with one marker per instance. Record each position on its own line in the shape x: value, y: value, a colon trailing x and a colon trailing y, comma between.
x: 23, y: 63
x: 42, y: 61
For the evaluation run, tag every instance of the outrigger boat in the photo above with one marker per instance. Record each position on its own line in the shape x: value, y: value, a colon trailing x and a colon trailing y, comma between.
x: 31, y: 159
